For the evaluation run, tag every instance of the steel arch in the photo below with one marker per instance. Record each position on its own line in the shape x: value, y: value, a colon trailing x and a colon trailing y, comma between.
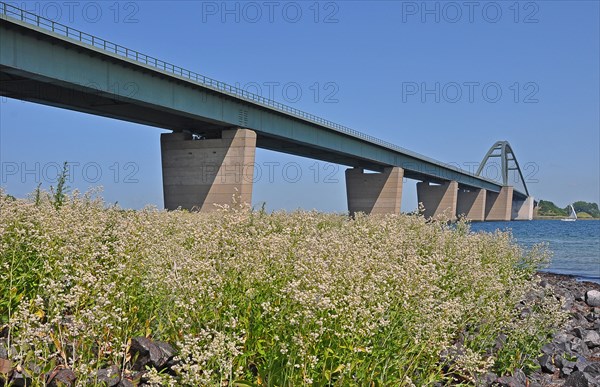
x: 506, y: 154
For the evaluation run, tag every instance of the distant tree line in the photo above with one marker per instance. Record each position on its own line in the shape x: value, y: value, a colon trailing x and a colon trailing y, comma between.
x: 590, y: 208
x: 547, y: 208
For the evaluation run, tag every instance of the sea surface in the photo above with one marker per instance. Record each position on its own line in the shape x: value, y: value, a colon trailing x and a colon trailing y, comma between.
x: 575, y: 245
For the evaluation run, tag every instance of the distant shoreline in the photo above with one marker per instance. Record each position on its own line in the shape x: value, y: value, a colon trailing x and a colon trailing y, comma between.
x: 569, y: 277
x: 559, y: 218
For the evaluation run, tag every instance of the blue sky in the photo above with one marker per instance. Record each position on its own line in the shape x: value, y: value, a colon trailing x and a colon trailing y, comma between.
x: 445, y: 79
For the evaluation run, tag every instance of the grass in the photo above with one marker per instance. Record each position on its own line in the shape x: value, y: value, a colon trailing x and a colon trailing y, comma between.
x: 265, y: 299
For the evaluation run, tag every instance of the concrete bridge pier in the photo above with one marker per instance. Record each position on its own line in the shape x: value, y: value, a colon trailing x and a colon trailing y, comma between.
x: 471, y: 204
x: 197, y: 174
x: 498, y: 205
x: 374, y: 193
x: 438, y: 199
x: 523, y: 209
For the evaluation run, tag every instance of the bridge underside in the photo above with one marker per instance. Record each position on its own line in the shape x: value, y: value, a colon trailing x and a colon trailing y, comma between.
x: 41, y: 66
x: 44, y: 67
x: 92, y: 101
x: 206, y: 173
x: 33, y: 88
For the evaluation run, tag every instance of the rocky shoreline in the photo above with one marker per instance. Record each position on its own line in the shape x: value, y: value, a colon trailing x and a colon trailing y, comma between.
x: 573, y: 356
x: 571, y: 359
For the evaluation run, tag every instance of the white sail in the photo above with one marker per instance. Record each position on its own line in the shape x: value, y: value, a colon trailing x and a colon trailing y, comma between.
x: 572, y: 215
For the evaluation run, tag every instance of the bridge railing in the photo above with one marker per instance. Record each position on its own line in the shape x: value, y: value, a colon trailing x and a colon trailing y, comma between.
x: 113, y: 48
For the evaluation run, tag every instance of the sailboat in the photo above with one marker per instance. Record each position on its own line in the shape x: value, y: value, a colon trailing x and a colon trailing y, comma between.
x: 572, y: 215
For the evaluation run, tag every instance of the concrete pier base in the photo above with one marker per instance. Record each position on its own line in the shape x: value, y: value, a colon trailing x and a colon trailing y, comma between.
x: 374, y: 193
x: 438, y: 199
x: 471, y: 204
x: 197, y: 174
x: 523, y: 209
x: 498, y: 205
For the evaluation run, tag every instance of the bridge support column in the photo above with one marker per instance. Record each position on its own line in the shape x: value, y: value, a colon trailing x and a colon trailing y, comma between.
x: 438, y: 199
x: 523, y: 209
x: 471, y: 204
x: 498, y: 205
x: 374, y: 193
x: 197, y: 174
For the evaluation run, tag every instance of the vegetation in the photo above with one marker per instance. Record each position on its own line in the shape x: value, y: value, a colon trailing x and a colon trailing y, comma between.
x: 547, y: 208
x: 589, y: 208
x: 256, y: 299
x: 583, y: 209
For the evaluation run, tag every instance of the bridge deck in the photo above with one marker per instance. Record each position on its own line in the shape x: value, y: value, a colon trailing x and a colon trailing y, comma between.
x: 49, y: 63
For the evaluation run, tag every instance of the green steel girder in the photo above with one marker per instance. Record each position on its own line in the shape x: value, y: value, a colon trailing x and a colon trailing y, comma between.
x: 42, y: 66
x: 505, y: 154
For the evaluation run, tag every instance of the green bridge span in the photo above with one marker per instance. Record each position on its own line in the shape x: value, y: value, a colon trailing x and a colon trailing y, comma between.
x: 217, y: 126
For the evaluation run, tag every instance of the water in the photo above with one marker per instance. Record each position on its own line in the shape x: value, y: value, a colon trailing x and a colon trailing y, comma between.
x: 575, y: 245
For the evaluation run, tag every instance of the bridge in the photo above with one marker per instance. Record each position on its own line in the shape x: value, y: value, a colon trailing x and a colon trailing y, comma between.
x: 208, y: 158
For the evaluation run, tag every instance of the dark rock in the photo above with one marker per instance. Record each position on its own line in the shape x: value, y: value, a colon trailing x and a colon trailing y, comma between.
x: 567, y: 369
x: 561, y: 341
x: 592, y: 317
x: 539, y: 379
x: 547, y: 364
x: 592, y: 298
x: 576, y: 379
x: 145, y: 352
x: 142, y: 344
x: 579, y: 346
x: 125, y: 383
x: 566, y: 366
x: 581, y: 363
x: 520, y: 376
x: 488, y: 379
x: 579, y: 332
x: 575, y: 349
x: 511, y: 381
x: 591, y: 339
x: 149, y: 353
x: 167, y: 350
x: 505, y: 381
x: 549, y: 349
x: 568, y: 303
x: 108, y: 377
x: 20, y: 379
x: 593, y: 369
x: 63, y: 378
x: 518, y: 379
x: 562, y: 348
x: 592, y: 374
x: 500, y: 341
x: 578, y: 319
x: 4, y: 350
x: 534, y: 383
